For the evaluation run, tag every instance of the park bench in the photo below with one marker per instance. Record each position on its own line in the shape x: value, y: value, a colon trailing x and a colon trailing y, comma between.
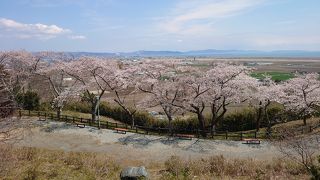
x: 121, y: 130
x: 185, y: 136
x: 252, y: 141
x: 41, y: 119
x: 80, y: 125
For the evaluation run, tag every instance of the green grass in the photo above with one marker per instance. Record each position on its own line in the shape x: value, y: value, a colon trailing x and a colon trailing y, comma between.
x: 276, y: 76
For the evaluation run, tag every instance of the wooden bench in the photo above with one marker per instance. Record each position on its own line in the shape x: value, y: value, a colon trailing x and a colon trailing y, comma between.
x: 252, y: 141
x: 81, y: 125
x: 185, y: 136
x: 41, y: 119
x: 121, y: 130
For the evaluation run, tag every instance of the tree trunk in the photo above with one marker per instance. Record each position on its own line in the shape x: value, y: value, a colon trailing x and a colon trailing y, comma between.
x: 170, y: 125
x: 59, y: 110
x: 201, y: 124
x: 93, y: 115
x: 258, y: 121
x: 169, y: 116
x: 215, y: 117
x: 304, y: 120
x: 132, y: 119
x: 94, y: 109
x: 267, y: 118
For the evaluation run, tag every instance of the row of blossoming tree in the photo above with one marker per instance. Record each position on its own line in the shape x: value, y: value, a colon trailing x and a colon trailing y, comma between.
x: 175, y: 87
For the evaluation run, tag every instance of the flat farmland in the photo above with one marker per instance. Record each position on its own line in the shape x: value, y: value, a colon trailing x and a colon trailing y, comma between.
x: 272, y: 64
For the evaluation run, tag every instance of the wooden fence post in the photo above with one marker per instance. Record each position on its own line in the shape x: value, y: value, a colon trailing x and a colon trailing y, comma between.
x: 136, y: 129
x: 255, y: 134
x: 241, y: 135
x: 116, y: 125
x: 20, y: 114
x: 29, y: 113
x: 81, y: 119
x: 310, y: 128
x: 107, y: 125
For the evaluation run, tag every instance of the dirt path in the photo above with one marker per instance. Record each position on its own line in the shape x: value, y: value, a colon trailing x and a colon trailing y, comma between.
x: 138, y: 147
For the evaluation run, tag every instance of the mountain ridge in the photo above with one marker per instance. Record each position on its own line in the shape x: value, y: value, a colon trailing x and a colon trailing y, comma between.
x: 204, y: 53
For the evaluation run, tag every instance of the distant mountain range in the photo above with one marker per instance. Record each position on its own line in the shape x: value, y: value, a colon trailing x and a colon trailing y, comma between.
x: 205, y: 53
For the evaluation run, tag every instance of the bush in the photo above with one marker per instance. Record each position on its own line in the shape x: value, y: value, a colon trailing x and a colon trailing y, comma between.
x: 45, y: 106
x: 114, y: 112
x: 315, y: 170
x: 189, y: 124
x: 82, y: 107
x: 238, y: 121
x: 29, y: 100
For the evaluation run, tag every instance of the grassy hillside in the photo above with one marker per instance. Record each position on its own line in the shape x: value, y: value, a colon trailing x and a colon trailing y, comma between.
x: 32, y: 163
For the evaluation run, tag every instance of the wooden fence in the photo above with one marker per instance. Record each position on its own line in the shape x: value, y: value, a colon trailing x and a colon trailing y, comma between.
x: 43, y: 116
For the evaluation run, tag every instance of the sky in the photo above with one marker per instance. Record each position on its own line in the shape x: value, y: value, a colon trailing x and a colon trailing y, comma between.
x: 177, y: 25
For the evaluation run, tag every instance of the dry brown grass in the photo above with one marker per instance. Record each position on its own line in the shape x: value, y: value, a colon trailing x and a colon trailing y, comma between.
x: 298, y: 126
x: 218, y: 167
x: 33, y: 163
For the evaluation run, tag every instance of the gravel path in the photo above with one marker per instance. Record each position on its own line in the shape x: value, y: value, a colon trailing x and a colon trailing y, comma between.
x: 138, y: 147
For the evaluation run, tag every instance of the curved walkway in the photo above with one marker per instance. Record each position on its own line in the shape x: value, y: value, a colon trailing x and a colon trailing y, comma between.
x: 138, y: 147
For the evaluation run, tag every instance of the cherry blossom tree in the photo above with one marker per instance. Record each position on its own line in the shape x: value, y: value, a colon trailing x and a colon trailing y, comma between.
x: 96, y: 75
x: 124, y: 86
x: 194, y: 88
x: 19, y: 65
x: 49, y: 67
x: 6, y: 100
x: 15, y: 70
x: 266, y: 91
x: 228, y: 84
x: 301, y: 94
x: 159, y: 81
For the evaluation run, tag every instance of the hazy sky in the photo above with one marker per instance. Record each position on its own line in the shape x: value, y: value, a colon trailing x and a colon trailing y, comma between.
x: 129, y: 25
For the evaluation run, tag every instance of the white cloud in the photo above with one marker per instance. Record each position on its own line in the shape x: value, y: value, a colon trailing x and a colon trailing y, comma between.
x: 77, y: 37
x: 194, y: 16
x: 40, y: 31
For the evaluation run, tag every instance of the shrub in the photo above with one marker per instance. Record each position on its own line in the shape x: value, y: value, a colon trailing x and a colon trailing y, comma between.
x: 238, y: 121
x: 189, y: 124
x: 315, y: 170
x: 82, y: 107
x: 45, y: 106
x: 29, y: 100
x: 114, y: 112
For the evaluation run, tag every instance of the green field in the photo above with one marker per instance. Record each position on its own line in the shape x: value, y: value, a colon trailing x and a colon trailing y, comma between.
x: 276, y: 76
